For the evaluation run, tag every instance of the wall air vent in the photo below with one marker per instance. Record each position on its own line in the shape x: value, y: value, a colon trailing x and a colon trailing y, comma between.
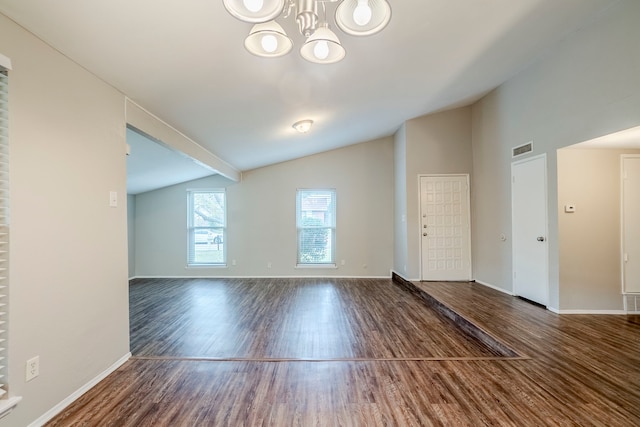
x: 523, y: 149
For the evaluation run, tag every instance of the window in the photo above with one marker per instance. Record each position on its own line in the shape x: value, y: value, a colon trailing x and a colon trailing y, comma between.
x: 207, y: 222
x: 4, y: 226
x: 316, y: 224
x: 6, y: 402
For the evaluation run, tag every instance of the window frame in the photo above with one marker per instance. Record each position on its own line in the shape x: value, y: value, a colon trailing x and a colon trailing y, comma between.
x: 7, y: 400
x: 217, y: 230
x: 300, y: 192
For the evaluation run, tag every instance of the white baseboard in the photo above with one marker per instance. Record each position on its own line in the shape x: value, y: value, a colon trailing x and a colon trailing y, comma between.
x: 609, y: 312
x: 488, y: 285
x: 47, y: 416
x: 320, y: 276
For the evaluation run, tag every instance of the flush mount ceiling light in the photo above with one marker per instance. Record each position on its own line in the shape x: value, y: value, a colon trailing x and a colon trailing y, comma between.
x: 268, y: 39
x: 303, y: 126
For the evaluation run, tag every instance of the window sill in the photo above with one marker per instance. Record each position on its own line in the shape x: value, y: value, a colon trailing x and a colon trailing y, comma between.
x: 6, y: 406
x: 206, y: 266
x: 316, y: 266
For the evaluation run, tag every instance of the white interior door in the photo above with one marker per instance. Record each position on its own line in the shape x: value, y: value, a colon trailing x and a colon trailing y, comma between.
x: 529, y: 229
x: 631, y: 223
x: 444, y: 232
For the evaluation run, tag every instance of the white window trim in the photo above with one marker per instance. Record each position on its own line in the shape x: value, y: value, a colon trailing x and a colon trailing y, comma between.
x: 7, y: 405
x: 7, y: 402
x: 190, y: 226
x: 328, y: 265
x: 324, y: 265
x: 5, y: 63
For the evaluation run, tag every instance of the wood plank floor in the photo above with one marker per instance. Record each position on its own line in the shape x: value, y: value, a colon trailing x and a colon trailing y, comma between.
x: 582, y: 370
x: 290, y: 319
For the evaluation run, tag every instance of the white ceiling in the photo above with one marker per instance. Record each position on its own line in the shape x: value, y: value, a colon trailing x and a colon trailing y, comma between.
x: 625, y: 139
x: 185, y: 62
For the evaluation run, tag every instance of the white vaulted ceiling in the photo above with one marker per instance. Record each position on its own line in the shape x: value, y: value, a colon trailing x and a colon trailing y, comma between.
x: 185, y: 62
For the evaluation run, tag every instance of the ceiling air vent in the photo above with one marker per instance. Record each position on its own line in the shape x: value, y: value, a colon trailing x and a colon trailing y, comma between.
x: 523, y: 149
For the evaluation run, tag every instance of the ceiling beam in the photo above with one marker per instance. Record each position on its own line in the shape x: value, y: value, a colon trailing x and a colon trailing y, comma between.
x: 151, y: 125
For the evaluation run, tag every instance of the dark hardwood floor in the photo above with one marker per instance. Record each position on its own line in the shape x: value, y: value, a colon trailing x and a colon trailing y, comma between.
x: 290, y: 319
x: 338, y: 352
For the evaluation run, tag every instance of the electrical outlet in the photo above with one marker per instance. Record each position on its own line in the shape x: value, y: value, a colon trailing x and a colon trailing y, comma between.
x: 33, y: 368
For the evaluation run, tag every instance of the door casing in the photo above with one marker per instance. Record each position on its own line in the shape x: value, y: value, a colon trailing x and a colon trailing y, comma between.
x: 629, y: 211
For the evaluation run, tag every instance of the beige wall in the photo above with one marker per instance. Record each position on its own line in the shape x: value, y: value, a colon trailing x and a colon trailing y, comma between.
x: 261, y: 217
x: 587, y: 86
x: 589, y: 239
x: 131, y: 234
x: 68, y: 278
x: 434, y: 144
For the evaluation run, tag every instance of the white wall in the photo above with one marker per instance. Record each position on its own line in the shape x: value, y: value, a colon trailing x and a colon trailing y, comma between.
x: 587, y: 86
x: 261, y: 217
x: 434, y: 144
x: 69, y: 294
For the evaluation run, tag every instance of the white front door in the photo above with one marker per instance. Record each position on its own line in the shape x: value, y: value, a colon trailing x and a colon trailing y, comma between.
x: 444, y: 227
x: 529, y: 229
x: 630, y: 223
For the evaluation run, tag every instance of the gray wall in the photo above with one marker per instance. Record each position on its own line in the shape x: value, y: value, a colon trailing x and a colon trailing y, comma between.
x: 433, y: 144
x: 261, y: 217
x: 401, y: 255
x: 69, y: 295
x: 131, y: 233
x: 587, y: 86
x: 68, y: 273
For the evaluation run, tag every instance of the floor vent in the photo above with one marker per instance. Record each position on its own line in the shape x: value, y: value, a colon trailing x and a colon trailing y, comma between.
x: 631, y: 303
x: 523, y: 149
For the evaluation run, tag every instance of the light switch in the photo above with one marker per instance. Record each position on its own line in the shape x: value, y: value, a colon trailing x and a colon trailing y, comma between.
x: 569, y: 208
x: 113, y: 199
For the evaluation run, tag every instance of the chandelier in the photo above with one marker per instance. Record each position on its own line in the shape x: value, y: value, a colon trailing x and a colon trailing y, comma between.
x: 268, y: 39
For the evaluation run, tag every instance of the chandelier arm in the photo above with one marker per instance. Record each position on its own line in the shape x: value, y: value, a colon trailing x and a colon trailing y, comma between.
x: 288, y: 9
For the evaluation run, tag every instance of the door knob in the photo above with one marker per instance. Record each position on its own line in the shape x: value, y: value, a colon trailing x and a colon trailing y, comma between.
x: 540, y: 239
